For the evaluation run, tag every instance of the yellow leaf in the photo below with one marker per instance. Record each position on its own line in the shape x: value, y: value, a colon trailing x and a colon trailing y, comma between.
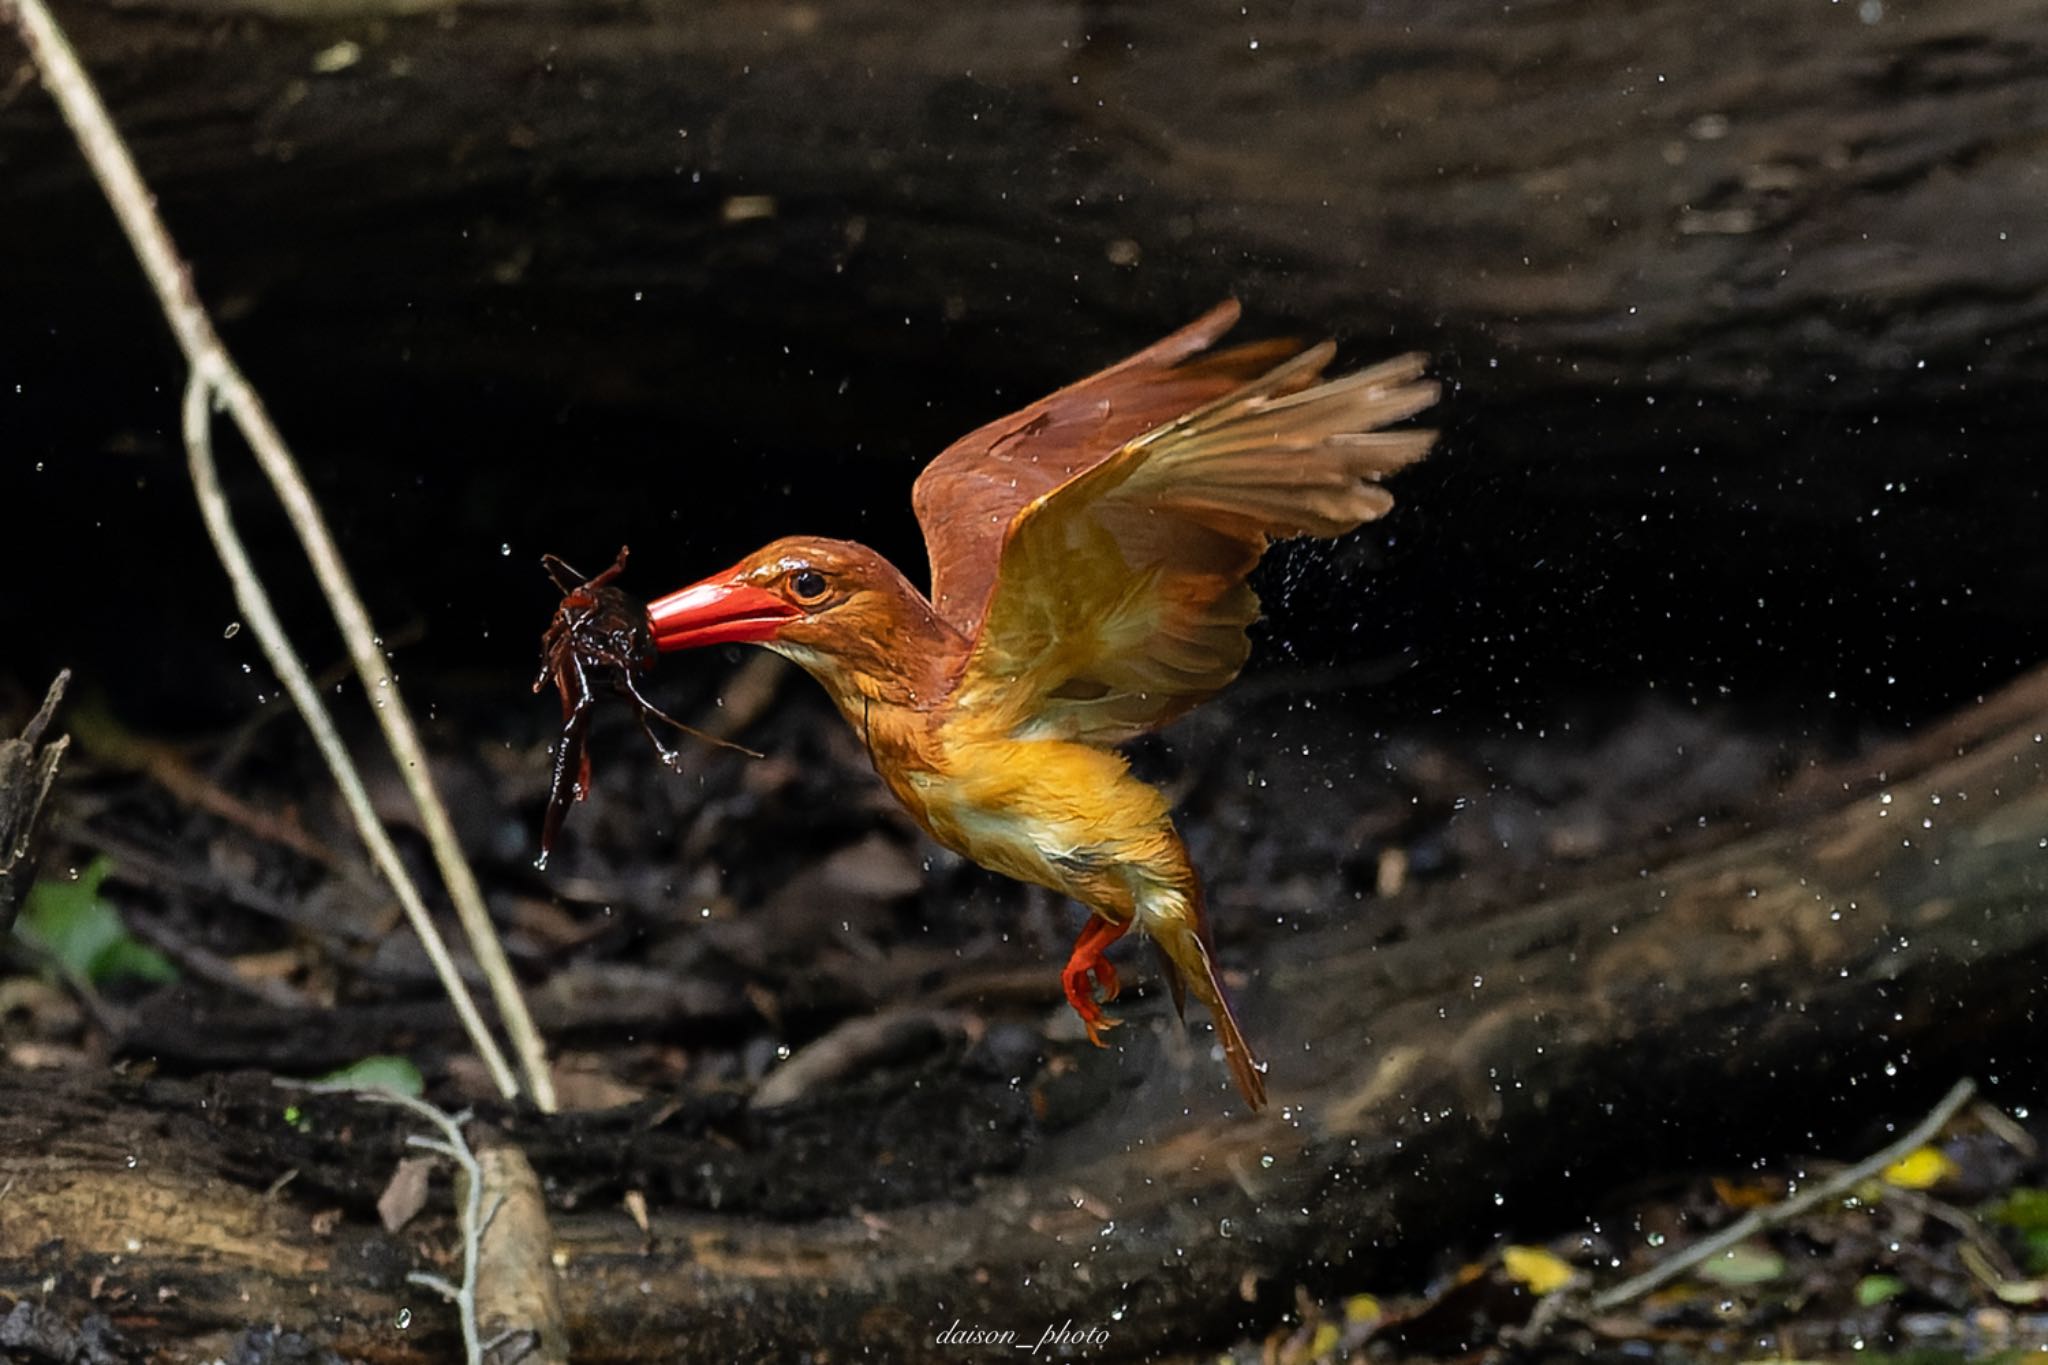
x: 1362, y: 1308
x: 1536, y: 1269
x: 1921, y: 1169
x: 1326, y: 1339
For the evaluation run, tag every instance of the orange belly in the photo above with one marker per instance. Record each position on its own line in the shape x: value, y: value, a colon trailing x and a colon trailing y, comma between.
x: 1061, y: 815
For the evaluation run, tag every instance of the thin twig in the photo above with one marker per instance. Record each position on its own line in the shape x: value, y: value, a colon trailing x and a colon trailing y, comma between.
x: 1966, y: 1227
x: 105, y: 739
x: 470, y: 1217
x: 215, y: 378
x: 284, y: 660
x: 110, y: 1019
x: 2006, y: 1129
x: 139, y: 864
x: 211, y: 967
x: 1756, y: 1220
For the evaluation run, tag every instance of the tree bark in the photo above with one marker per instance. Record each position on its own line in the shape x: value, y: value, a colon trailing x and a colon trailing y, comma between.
x: 1802, y: 981
x: 28, y: 767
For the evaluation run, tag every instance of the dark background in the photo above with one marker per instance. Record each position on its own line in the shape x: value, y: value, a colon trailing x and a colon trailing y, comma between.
x: 1738, y: 315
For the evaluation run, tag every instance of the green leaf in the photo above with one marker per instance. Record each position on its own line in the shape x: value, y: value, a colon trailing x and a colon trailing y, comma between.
x: 1872, y: 1290
x: 69, y: 920
x: 2024, y: 1208
x: 1744, y: 1264
x: 395, y: 1074
x: 2025, y: 1211
x: 2037, y: 1252
x: 125, y: 957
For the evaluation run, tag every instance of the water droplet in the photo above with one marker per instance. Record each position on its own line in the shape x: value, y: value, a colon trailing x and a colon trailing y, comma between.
x: 234, y: 629
x: 404, y: 1318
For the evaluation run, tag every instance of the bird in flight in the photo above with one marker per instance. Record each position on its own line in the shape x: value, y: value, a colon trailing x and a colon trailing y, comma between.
x: 1088, y: 565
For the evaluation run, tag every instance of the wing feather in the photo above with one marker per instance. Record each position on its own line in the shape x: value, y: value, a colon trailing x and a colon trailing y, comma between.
x: 1121, y: 598
x: 966, y: 498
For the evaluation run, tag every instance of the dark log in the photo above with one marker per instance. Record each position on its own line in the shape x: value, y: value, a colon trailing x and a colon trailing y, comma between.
x: 1628, y: 191
x: 1817, y: 975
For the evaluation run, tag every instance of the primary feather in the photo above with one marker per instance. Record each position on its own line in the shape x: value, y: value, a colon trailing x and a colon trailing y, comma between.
x: 1119, y: 597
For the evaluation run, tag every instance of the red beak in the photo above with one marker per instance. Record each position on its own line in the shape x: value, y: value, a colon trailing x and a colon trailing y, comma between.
x: 715, y: 612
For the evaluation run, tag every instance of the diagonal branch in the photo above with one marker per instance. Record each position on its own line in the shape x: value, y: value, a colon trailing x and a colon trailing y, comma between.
x: 1756, y: 1220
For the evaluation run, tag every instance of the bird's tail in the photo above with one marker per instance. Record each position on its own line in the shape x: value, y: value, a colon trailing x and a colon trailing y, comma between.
x: 1182, y: 942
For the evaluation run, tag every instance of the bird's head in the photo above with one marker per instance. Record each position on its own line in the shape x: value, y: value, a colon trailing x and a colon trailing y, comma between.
x: 835, y: 607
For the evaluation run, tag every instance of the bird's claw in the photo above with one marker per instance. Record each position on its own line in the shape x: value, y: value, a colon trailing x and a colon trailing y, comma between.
x: 1082, y: 995
x: 1099, y: 1025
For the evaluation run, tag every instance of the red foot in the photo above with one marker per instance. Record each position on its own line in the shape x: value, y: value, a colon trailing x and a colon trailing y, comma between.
x: 1087, y: 961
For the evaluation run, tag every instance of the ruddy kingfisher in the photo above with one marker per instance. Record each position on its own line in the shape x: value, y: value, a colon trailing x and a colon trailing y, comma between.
x: 1088, y: 564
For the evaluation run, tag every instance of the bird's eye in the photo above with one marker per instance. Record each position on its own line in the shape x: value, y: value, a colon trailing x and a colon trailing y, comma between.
x: 807, y: 585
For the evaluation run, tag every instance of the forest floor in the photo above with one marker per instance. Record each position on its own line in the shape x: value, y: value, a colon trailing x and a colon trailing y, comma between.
x: 697, y: 929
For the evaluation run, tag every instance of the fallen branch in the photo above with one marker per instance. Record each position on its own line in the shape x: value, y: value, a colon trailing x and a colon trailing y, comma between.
x: 518, y: 1301
x: 27, y: 768
x: 875, y: 1212
x: 215, y: 380
x: 471, y: 1218
x: 1757, y: 1220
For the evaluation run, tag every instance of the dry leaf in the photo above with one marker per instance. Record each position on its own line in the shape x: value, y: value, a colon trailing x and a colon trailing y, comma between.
x: 1744, y: 1264
x: 406, y: 1192
x: 1748, y: 1194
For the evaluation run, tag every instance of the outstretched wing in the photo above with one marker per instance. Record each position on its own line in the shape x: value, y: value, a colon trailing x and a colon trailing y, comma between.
x: 966, y: 498
x: 1120, y: 599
